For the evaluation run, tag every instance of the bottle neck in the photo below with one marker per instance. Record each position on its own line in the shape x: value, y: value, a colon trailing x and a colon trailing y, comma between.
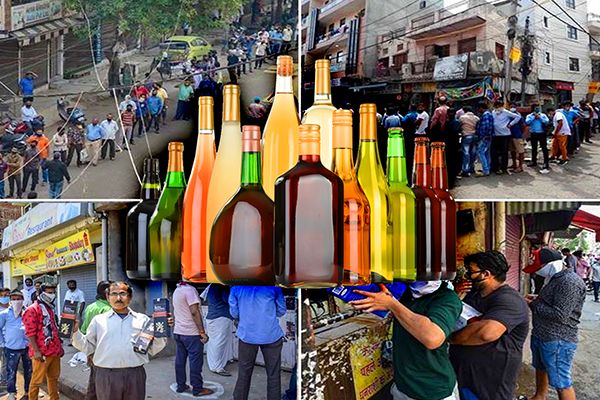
x: 343, y: 163
x: 175, y: 176
x: 283, y: 84
x: 440, y: 175
x: 368, y: 148
x: 323, y: 83
x: 422, y: 169
x: 396, y: 162
x: 251, y: 169
x: 151, y: 187
x: 310, y: 158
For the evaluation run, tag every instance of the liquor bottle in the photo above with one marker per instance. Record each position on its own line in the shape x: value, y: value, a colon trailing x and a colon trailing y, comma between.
x: 309, y: 212
x: 166, y: 229
x: 427, y: 215
x: 321, y: 112
x: 447, y: 209
x: 225, y: 178
x: 137, y: 252
x: 357, y: 249
x: 280, y: 138
x: 403, y: 209
x: 241, y: 241
x: 194, y: 259
x: 372, y: 180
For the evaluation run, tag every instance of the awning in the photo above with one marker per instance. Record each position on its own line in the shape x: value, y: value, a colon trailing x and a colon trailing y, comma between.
x: 44, y: 31
x: 588, y: 221
x: 536, y: 207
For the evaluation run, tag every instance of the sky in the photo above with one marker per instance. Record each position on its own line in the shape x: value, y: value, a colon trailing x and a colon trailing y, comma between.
x: 591, y: 209
x: 594, y: 6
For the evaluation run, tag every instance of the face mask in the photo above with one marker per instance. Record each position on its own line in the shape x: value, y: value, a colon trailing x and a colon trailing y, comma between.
x: 513, y: 110
x: 550, y: 269
x: 17, y: 306
x: 4, y: 300
x: 423, y: 288
x: 48, y: 297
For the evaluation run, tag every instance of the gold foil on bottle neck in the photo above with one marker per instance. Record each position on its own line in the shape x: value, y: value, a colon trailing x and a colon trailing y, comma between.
x: 285, y: 65
x: 310, y: 139
x: 368, y: 121
x: 322, y: 77
x: 342, y: 129
x: 206, y: 119
x: 231, y: 103
x: 175, y: 157
x: 251, y: 139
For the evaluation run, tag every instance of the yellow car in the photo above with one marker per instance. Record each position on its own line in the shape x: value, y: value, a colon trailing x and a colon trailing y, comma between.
x: 185, y: 48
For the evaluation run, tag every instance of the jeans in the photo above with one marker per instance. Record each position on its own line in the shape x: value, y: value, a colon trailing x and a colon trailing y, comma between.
x: 259, y: 62
x: 12, y: 358
x: 483, y: 150
x: 539, y: 138
x: 2, y: 192
x: 596, y: 286
x: 3, y: 368
x: 55, y: 190
x: 556, y: 359
x: 108, y: 144
x: 246, y: 359
x: 34, y: 174
x: 468, y: 151
x: 44, y: 176
x: 182, y: 110
x: 142, y: 126
x: 189, y: 347
x: 500, y: 153
x: 154, y: 120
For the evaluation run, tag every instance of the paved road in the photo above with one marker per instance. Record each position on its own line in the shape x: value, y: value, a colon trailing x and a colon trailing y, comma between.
x: 579, y: 179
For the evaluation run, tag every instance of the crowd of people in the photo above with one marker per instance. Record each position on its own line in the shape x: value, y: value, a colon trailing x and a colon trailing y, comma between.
x: 103, y: 331
x: 440, y: 351
x: 493, y: 135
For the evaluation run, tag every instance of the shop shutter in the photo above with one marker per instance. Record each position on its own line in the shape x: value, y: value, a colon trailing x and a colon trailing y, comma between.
x: 513, y: 250
x: 35, y: 58
x: 9, y: 67
x: 86, y: 281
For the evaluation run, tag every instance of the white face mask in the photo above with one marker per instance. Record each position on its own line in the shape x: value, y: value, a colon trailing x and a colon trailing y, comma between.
x: 48, y: 297
x: 17, y: 306
x: 550, y: 269
x: 423, y: 288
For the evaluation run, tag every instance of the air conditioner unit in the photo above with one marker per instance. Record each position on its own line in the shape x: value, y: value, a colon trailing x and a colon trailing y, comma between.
x: 406, y: 69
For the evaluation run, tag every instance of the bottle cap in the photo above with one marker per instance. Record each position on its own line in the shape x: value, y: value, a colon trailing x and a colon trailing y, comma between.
x: 310, y: 137
x: 438, y: 144
x: 368, y: 121
x: 206, y: 122
x: 285, y: 65
x: 231, y: 103
x: 175, y: 157
x: 251, y: 139
x: 175, y: 146
x: 342, y: 129
x: 322, y: 76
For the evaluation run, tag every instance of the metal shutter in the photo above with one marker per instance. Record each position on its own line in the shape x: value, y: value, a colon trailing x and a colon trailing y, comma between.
x: 35, y: 58
x: 513, y: 250
x: 9, y: 67
x: 86, y: 281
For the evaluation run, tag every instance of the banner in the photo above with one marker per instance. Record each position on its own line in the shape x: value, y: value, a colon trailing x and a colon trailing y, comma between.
x: 481, y: 89
x: 24, y: 15
x: 515, y: 54
x: 70, y: 252
x: 451, y: 68
x: 594, y: 87
x: 369, y: 375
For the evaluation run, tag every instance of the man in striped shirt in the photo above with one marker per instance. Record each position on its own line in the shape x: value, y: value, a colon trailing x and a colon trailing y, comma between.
x: 128, y: 120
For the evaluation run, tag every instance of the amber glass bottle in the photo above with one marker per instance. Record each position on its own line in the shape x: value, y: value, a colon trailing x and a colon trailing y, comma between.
x: 241, y: 241
x: 427, y: 216
x: 309, y: 220
x: 447, y: 211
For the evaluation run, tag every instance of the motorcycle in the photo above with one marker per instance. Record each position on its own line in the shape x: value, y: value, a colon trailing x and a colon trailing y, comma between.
x: 13, y: 139
x: 69, y: 114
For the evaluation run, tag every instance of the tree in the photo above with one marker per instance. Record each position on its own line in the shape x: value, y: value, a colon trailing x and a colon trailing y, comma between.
x: 155, y: 19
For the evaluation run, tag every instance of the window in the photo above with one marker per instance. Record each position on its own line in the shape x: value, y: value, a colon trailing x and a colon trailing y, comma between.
x: 545, y: 22
x: 400, y: 47
x: 400, y: 59
x: 441, y: 51
x: 330, y: 28
x: 571, y: 32
x: 423, y: 5
x: 385, y: 51
x: 500, y: 51
x: 342, y: 22
x: 467, y: 45
x: 547, y: 58
x: 573, y: 64
x: 340, y: 57
x: 570, y: 3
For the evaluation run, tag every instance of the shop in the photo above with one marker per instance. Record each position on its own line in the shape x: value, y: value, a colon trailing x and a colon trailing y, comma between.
x: 554, y: 93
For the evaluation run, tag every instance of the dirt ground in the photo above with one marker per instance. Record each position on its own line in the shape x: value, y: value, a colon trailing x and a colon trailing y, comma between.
x: 586, y: 367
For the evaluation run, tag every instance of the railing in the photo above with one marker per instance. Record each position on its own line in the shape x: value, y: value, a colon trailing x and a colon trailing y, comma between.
x: 332, y: 4
x: 593, y: 17
x: 426, y: 67
x: 336, y: 33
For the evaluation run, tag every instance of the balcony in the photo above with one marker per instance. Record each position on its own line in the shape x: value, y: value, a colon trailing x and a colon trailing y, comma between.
x: 445, y: 21
x: 338, y: 9
x: 595, y: 51
x: 331, y: 38
x: 594, y: 23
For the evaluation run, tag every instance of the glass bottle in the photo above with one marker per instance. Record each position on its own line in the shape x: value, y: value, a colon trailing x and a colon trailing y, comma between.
x: 372, y: 180
x: 241, y: 241
x: 309, y: 212
x: 428, y: 216
x: 194, y: 259
x: 225, y: 177
x: 280, y: 138
x: 166, y: 228
x: 447, y: 210
x: 357, y: 249
x: 321, y: 112
x: 137, y: 252
x: 403, y: 209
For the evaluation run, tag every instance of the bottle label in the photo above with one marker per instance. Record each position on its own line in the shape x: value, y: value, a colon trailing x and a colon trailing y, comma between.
x: 151, y: 186
x: 205, y: 131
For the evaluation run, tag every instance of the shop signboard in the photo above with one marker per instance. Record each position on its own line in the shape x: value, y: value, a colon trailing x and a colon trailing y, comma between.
x: 594, y: 87
x: 69, y: 252
x: 368, y: 372
x: 25, y: 15
x: 451, y: 68
x: 39, y: 219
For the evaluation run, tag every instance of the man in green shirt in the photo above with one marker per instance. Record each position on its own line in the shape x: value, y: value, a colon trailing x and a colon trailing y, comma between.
x: 100, y: 306
x: 184, y: 98
x: 424, y: 319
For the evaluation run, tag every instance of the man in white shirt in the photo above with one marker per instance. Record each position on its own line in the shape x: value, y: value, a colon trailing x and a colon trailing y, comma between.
x: 119, y: 369
x: 111, y: 130
x: 561, y: 134
x: 28, y: 290
x: 28, y: 113
x: 127, y: 102
x: 596, y: 278
x: 422, y: 121
x: 74, y: 294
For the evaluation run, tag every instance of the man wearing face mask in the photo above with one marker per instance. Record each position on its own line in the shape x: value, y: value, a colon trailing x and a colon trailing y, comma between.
x: 28, y: 291
x: 487, y: 354
x: 424, y: 319
x: 537, y: 122
x: 41, y: 328
x: 4, y: 304
x: 556, y: 313
x: 14, y: 343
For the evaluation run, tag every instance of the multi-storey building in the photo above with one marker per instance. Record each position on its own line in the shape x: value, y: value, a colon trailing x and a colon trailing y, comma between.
x: 594, y: 29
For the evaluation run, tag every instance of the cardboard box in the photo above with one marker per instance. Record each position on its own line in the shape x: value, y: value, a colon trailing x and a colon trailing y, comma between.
x: 160, y: 315
x: 67, y: 319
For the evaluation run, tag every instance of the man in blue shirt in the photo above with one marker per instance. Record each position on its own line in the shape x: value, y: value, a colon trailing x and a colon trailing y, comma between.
x: 15, y: 343
x: 93, y: 141
x: 258, y: 308
x: 504, y: 120
x: 537, y: 122
x: 485, y: 132
x: 26, y: 86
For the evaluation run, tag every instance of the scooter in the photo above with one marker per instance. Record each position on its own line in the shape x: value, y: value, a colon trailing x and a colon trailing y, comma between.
x: 69, y: 114
x: 12, y: 139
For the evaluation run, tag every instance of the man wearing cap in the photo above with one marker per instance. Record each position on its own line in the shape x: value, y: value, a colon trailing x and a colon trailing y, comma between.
x: 15, y: 343
x: 41, y: 328
x: 93, y: 141
x: 487, y: 354
x: 556, y: 312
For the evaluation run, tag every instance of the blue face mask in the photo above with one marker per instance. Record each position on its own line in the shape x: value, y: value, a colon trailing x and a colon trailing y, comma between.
x: 4, y: 300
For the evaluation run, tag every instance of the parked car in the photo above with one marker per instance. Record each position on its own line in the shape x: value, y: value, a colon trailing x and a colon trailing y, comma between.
x: 184, y: 48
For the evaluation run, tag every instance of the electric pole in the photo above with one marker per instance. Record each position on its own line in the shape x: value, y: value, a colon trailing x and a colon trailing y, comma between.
x: 510, y: 33
x: 526, y: 58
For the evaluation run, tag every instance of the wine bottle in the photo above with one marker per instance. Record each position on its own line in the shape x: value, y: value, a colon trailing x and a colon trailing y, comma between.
x: 280, y: 138
x: 166, y: 229
x: 225, y: 177
x: 241, y: 241
x: 403, y: 209
x: 357, y: 249
x: 321, y: 112
x: 427, y: 215
x: 372, y: 180
x: 194, y: 259
x: 137, y: 251
x: 447, y: 210
x: 309, y: 212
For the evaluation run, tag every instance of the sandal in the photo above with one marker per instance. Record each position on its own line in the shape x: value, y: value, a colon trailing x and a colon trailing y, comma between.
x: 203, y: 392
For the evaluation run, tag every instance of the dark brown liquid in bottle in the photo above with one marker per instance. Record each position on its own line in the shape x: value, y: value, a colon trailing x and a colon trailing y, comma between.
x: 447, y: 210
x: 428, y: 212
x: 309, y: 226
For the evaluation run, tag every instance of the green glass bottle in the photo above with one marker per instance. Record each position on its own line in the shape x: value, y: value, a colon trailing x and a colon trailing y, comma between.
x: 404, y: 223
x: 165, y: 229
